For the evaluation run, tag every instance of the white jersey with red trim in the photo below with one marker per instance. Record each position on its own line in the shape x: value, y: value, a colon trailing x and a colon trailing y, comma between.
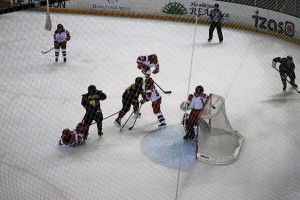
x: 61, y: 36
x: 151, y: 93
x: 196, y: 101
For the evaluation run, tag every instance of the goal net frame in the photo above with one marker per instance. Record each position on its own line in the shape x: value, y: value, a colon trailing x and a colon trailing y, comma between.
x: 214, y: 123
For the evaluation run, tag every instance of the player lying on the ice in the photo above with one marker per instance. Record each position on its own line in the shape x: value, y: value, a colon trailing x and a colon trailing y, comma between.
x: 75, y: 137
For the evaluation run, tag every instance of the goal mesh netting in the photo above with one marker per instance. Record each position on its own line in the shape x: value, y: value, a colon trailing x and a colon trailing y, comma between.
x: 218, y: 142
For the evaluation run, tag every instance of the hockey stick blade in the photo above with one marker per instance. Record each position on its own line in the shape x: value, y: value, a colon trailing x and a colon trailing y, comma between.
x: 44, y: 52
x: 167, y: 92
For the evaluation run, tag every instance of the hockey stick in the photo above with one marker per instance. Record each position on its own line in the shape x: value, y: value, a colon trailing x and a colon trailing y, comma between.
x: 287, y: 81
x: 126, y: 121
x: 106, y: 117
x: 166, y: 92
x: 44, y: 52
x: 135, y: 118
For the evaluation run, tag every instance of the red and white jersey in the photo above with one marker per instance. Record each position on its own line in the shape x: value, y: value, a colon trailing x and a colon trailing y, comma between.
x: 150, y: 60
x: 60, y: 36
x: 151, y: 93
x: 73, y: 138
x: 145, y: 63
x: 196, y: 101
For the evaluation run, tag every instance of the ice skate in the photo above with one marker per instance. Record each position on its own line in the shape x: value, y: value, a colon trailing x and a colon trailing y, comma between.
x: 161, y: 125
x: 100, y: 133
x: 117, y: 122
x: 284, y: 88
x: 56, y: 59
x: 65, y: 59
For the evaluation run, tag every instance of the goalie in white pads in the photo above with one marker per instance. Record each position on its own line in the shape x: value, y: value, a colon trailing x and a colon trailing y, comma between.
x: 194, y: 103
x: 153, y: 96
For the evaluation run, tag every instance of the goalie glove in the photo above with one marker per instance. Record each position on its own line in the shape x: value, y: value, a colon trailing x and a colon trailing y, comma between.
x: 184, y: 106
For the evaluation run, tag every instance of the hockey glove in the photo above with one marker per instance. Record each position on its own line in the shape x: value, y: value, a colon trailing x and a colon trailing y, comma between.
x: 143, y: 101
x: 55, y: 43
x: 155, y: 71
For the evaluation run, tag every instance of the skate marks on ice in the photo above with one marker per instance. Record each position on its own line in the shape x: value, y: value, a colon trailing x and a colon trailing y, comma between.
x: 166, y: 146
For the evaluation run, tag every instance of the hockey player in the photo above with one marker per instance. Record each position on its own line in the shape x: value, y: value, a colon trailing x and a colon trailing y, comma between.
x: 91, y: 102
x: 194, y: 103
x: 72, y: 138
x: 131, y: 97
x: 61, y: 36
x: 286, y: 69
x: 216, y: 17
x: 153, y: 96
x: 145, y: 63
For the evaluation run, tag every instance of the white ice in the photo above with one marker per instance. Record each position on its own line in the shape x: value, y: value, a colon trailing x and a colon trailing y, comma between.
x: 39, y: 98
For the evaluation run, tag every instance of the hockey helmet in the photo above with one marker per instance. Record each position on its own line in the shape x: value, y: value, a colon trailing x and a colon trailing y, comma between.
x: 60, y: 26
x: 139, y: 81
x: 199, y: 89
x: 149, y: 81
x: 216, y: 5
x: 92, y: 89
x: 66, y: 132
x: 290, y: 58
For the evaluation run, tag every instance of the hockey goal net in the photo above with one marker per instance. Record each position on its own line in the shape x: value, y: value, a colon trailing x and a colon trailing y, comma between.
x: 216, y: 141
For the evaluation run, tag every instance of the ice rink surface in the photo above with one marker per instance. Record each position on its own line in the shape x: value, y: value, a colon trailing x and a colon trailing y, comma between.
x: 39, y: 98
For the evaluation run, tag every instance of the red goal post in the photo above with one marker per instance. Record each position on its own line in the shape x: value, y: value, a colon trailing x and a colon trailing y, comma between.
x: 216, y: 141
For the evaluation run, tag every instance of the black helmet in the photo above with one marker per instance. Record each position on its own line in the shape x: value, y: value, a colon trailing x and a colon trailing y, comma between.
x: 290, y: 58
x: 139, y: 81
x: 199, y: 89
x: 92, y: 89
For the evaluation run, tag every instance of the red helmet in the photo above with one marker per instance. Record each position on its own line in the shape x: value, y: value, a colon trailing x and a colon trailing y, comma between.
x: 66, y: 132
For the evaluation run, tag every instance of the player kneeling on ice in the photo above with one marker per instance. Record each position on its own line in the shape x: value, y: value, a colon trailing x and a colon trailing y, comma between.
x: 153, y: 95
x: 195, y: 103
x: 286, y: 69
x: 73, y: 138
x: 145, y: 63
